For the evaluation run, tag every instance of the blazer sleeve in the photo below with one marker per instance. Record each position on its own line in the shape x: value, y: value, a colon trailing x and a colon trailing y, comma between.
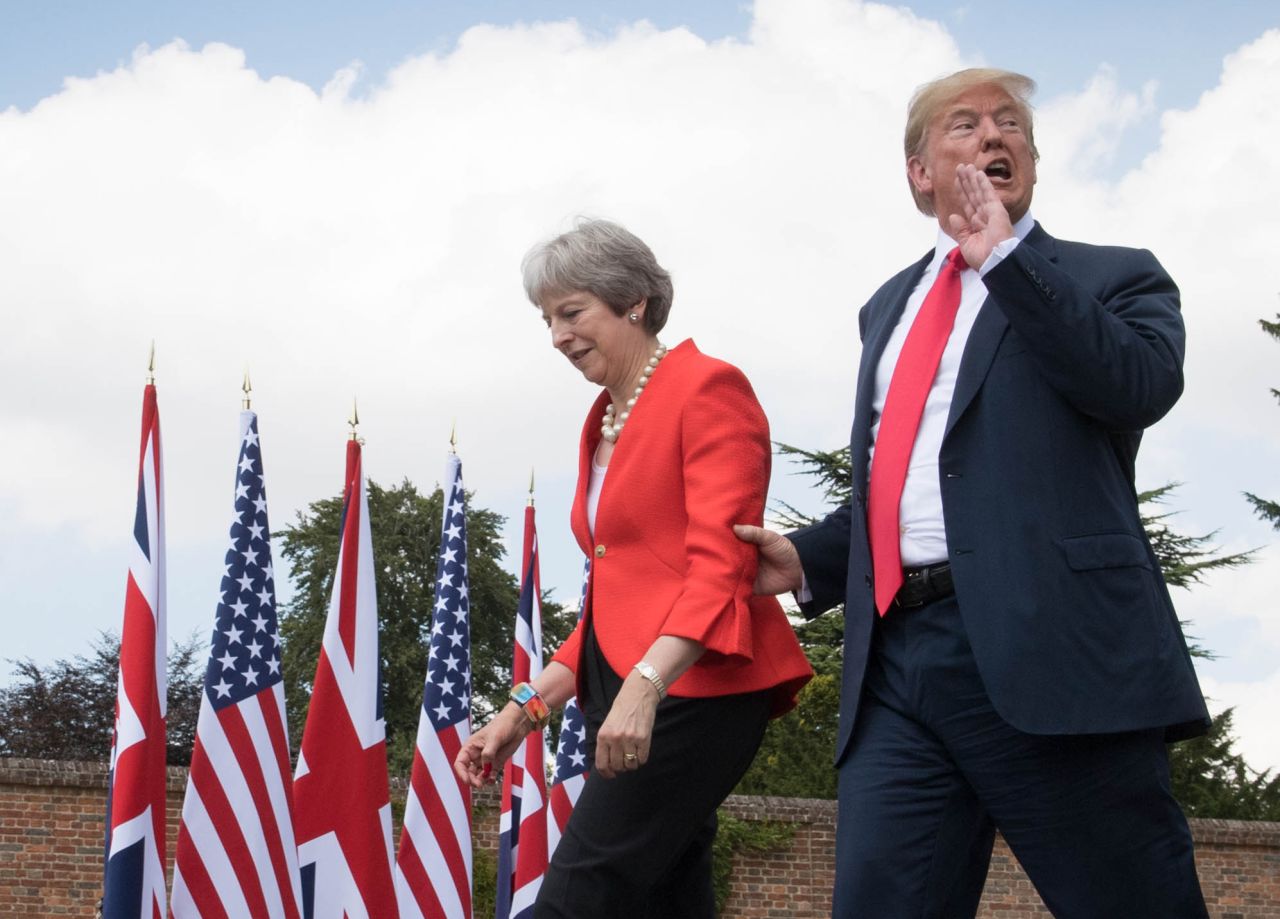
x: 1111, y: 343
x: 569, y: 651
x: 725, y: 468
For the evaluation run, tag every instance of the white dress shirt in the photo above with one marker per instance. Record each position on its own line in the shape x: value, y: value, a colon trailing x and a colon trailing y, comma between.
x: 924, y: 537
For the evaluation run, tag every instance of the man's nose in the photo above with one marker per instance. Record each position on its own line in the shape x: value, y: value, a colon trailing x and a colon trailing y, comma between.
x: 989, y: 132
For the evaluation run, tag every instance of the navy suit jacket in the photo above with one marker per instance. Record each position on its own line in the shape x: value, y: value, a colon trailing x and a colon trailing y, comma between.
x: 1076, y: 350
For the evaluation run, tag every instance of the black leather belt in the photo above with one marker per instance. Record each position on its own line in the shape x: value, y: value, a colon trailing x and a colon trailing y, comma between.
x: 922, y: 586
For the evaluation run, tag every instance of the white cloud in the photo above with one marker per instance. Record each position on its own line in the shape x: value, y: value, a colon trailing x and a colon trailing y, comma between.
x: 367, y: 242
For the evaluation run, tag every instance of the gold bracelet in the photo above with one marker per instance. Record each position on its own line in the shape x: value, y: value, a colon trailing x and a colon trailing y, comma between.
x: 647, y: 670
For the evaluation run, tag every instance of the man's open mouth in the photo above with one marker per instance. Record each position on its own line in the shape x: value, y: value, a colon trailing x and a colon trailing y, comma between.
x: 998, y: 170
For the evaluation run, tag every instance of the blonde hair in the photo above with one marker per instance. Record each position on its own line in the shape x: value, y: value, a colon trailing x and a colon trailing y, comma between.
x: 930, y: 99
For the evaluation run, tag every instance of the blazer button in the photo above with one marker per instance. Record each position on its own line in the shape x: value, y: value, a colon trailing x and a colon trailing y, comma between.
x: 868, y: 580
x: 600, y: 551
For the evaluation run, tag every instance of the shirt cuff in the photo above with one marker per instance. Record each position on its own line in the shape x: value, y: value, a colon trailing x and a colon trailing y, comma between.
x: 998, y: 255
x: 804, y: 594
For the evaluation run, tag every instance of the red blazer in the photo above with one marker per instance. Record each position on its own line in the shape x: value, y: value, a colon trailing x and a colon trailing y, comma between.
x: 693, y: 460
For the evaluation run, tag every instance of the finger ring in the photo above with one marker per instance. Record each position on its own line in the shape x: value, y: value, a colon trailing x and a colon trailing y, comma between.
x: 628, y: 756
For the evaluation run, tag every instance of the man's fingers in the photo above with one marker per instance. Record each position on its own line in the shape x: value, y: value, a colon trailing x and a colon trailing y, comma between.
x: 751, y: 534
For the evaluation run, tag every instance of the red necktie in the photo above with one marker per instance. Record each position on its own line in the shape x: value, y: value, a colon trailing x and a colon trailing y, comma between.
x: 903, y: 405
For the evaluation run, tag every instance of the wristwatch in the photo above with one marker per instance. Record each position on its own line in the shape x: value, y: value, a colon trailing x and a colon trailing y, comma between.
x: 650, y: 673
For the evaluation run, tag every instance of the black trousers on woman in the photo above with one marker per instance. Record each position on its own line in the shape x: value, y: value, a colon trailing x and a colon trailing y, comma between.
x: 639, y: 845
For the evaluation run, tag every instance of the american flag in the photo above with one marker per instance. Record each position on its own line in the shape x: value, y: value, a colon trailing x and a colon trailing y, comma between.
x: 133, y: 859
x: 571, y: 754
x: 236, y: 851
x: 340, y: 791
x: 433, y: 871
x: 522, y: 841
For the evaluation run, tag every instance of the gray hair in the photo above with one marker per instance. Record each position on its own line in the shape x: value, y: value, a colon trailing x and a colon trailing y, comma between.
x: 929, y: 100
x: 605, y: 260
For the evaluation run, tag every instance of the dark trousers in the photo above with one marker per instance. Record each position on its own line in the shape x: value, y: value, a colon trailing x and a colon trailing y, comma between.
x: 933, y: 770
x: 639, y: 845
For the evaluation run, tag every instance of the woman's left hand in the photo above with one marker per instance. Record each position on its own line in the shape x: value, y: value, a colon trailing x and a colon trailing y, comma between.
x: 622, y: 743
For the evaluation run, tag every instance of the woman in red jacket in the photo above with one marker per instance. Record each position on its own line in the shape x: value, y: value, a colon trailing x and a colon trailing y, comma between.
x: 676, y: 665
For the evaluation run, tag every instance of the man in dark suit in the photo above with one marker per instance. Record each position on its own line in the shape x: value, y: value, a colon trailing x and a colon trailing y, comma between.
x: 1011, y: 656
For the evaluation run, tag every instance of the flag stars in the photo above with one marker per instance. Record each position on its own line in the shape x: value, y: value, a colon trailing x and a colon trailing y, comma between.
x: 223, y: 689
x: 260, y: 503
x: 239, y: 607
x: 228, y: 661
x: 441, y: 710
x: 250, y: 676
x: 246, y: 463
x: 244, y: 581
x: 273, y: 664
x: 264, y: 596
x: 450, y: 663
x: 242, y: 491
x: 254, y: 649
x: 255, y: 531
x: 259, y: 622
x: 251, y: 438
x: 233, y: 635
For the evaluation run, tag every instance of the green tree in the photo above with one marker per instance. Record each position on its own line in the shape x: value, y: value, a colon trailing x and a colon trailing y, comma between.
x: 1210, y: 779
x: 405, y: 526
x: 1264, y: 508
x: 67, y: 709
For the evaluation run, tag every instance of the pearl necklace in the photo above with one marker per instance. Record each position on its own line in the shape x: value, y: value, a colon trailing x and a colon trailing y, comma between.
x: 608, y: 429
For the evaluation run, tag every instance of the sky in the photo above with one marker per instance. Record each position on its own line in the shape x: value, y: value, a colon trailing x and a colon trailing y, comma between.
x: 338, y: 197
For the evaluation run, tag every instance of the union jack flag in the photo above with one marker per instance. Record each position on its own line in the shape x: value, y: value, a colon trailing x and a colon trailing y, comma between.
x: 236, y: 850
x: 522, y: 840
x: 433, y: 871
x: 134, y: 852
x: 340, y: 791
x: 571, y: 754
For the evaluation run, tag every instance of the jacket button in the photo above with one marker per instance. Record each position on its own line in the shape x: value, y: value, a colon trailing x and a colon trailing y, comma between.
x: 868, y: 580
x: 600, y: 551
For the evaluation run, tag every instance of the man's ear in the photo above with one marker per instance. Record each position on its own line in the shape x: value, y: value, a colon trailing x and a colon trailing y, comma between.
x: 920, y: 176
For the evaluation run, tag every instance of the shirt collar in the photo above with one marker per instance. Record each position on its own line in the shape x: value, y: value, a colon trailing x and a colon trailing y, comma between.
x: 945, y: 243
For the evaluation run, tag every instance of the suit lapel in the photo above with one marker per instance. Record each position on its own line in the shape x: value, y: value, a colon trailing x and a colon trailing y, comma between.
x: 985, y: 337
x: 882, y: 316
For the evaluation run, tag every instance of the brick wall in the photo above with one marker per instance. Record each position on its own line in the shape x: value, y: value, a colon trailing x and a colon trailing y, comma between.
x: 51, y: 852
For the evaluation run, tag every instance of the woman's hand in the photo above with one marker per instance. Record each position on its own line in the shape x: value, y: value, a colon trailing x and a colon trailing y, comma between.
x: 481, y: 758
x: 622, y: 744
x: 485, y: 752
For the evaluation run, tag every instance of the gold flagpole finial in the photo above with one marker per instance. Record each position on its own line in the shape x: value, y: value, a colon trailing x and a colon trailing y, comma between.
x: 531, y: 487
x: 246, y: 387
x: 151, y: 365
x: 453, y: 437
x: 354, y: 419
